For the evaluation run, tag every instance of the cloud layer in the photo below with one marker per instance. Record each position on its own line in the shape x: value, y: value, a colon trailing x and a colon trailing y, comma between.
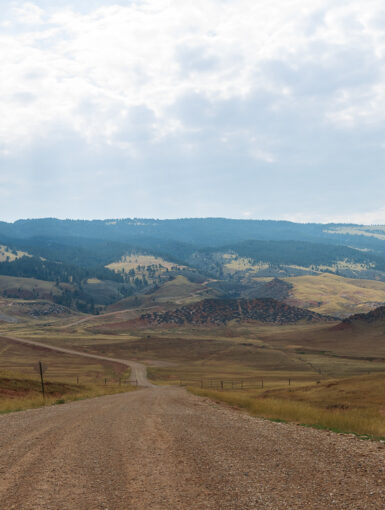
x: 173, y: 108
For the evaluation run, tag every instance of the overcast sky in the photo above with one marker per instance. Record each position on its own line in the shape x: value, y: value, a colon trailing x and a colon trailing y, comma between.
x: 176, y: 108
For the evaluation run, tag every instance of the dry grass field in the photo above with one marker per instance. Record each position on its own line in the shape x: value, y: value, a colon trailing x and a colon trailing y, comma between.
x: 355, y: 405
x: 67, y: 377
x: 18, y: 393
x: 334, y: 371
x: 335, y: 295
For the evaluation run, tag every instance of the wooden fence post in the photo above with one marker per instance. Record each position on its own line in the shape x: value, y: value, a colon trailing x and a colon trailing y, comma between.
x: 42, y: 379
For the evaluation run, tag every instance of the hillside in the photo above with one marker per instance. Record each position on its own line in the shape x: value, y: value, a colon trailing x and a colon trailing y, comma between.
x: 220, y: 311
x: 8, y: 255
x: 374, y: 316
x: 335, y: 295
x: 258, y: 258
x: 91, y: 265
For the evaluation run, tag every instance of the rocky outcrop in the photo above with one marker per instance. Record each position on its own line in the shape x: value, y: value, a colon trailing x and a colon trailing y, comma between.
x: 220, y: 311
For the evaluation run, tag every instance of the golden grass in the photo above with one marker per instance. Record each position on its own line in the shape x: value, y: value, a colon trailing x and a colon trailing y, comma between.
x: 7, y: 255
x: 355, y: 405
x: 22, y: 359
x: 331, y: 294
x: 234, y: 263
x: 250, y: 351
x: 94, y: 280
x: 134, y: 260
x: 179, y: 287
x: 141, y: 265
x: 17, y: 394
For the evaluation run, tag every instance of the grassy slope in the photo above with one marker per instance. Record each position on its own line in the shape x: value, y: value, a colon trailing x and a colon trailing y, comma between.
x: 18, y: 393
x: 335, y: 295
x: 147, y: 266
x: 14, y: 282
x: 170, y: 295
x: 68, y: 377
x: 23, y: 359
x: 354, y: 405
x: 7, y: 255
x: 132, y: 261
x: 176, y: 289
x: 326, y: 294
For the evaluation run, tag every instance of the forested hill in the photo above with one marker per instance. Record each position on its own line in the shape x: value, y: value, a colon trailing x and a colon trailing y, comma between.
x: 200, y: 232
x: 93, y: 245
x: 298, y: 253
x: 102, y: 261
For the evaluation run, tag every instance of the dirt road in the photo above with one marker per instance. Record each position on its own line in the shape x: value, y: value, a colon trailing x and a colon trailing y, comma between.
x: 138, y: 373
x: 162, y: 448
x: 102, y: 316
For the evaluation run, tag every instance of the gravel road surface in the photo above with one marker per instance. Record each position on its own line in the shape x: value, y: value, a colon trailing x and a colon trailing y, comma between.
x: 163, y: 448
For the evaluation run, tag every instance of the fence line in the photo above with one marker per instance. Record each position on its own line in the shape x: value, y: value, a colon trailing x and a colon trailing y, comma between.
x: 236, y: 384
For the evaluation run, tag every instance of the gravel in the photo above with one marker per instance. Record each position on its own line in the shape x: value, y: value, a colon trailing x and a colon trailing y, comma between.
x: 163, y: 448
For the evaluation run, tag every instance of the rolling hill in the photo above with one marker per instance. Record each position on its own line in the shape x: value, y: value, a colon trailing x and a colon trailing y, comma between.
x: 92, y: 265
x: 287, y: 258
x: 335, y: 295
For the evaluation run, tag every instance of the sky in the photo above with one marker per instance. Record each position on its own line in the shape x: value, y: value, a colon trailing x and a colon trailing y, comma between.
x: 171, y: 108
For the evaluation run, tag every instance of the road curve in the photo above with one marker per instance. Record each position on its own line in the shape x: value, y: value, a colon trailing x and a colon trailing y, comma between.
x: 165, y: 449
x: 138, y: 373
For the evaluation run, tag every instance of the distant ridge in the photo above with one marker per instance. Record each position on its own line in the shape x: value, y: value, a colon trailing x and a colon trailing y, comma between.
x: 378, y: 314
x: 220, y: 311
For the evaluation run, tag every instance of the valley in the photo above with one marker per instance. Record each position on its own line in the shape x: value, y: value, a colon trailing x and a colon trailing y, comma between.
x: 180, y: 340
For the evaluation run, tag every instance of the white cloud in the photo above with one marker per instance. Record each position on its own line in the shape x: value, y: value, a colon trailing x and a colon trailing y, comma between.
x: 267, y: 107
x: 153, y: 53
x: 28, y: 13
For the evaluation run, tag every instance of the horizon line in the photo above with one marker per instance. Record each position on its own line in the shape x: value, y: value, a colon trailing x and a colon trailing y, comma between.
x: 143, y: 218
